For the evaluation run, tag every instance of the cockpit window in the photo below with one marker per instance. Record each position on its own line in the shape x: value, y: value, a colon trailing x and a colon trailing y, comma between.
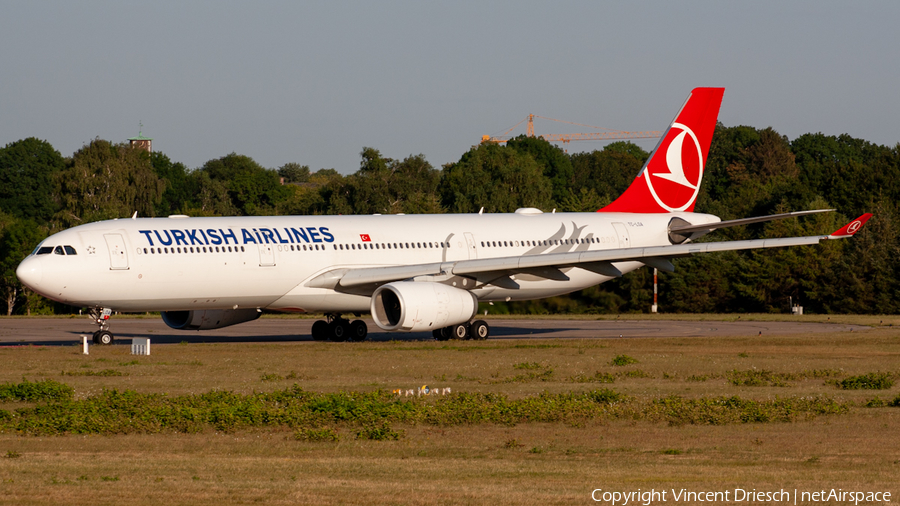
x: 59, y: 251
x: 70, y: 250
x: 44, y: 250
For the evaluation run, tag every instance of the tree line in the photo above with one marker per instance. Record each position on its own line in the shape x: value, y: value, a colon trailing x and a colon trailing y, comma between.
x: 749, y: 172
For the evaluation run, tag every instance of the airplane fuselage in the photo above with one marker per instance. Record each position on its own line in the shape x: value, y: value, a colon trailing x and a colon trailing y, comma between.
x: 181, y: 263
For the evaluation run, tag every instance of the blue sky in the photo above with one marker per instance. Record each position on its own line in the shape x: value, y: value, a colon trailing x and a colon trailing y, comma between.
x: 315, y: 82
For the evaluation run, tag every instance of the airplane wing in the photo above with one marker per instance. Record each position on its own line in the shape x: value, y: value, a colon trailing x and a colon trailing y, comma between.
x: 709, y: 227
x: 497, y: 271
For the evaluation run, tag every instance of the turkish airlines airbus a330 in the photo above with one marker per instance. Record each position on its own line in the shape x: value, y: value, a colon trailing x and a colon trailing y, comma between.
x: 411, y: 272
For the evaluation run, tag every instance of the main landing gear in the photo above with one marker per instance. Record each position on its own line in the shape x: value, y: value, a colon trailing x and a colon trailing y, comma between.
x: 477, y: 330
x: 338, y: 329
x: 101, y: 315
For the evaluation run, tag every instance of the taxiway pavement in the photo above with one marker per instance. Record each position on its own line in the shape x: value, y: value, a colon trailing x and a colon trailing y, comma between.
x: 68, y: 331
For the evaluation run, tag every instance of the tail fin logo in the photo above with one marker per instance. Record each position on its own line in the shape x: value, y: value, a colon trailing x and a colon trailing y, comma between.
x: 854, y: 227
x: 674, y: 180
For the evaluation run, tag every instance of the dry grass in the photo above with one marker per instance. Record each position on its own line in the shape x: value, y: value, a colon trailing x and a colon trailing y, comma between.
x: 481, y: 464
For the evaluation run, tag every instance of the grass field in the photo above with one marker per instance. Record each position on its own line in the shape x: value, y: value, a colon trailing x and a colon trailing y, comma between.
x: 805, y: 412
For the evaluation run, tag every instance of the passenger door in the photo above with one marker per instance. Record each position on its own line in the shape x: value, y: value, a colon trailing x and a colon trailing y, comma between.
x: 118, y: 257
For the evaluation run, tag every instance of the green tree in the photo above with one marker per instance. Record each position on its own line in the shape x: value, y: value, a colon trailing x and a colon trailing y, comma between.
x: 294, y: 173
x: 179, y: 188
x: 104, y: 180
x: 848, y: 172
x: 557, y: 166
x: 384, y: 186
x: 498, y: 178
x: 17, y: 239
x: 608, y: 172
x: 211, y: 197
x: 27, y: 179
x: 252, y: 189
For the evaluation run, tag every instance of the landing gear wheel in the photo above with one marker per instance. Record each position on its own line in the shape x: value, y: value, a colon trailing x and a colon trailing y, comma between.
x: 338, y: 330
x: 103, y: 337
x: 479, y: 330
x: 460, y: 331
x: 320, y: 330
x: 100, y: 316
x: 358, y: 330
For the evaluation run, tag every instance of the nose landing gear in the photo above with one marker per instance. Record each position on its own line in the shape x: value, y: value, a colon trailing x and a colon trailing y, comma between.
x: 101, y: 315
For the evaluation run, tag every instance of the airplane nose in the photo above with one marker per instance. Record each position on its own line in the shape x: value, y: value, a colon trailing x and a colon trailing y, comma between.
x: 30, y: 273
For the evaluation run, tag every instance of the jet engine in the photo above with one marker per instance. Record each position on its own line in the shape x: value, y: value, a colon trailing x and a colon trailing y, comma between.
x: 206, y: 319
x: 411, y: 307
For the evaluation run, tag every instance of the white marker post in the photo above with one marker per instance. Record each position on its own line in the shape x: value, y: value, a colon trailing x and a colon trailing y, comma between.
x: 140, y: 346
x: 84, y: 345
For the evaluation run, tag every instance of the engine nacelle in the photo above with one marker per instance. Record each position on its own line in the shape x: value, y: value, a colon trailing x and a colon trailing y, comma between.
x: 206, y: 319
x: 408, y: 306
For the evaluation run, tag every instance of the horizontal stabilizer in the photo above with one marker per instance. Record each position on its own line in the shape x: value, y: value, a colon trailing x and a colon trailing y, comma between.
x: 709, y: 227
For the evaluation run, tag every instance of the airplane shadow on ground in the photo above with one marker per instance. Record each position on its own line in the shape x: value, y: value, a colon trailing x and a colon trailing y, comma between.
x: 124, y: 338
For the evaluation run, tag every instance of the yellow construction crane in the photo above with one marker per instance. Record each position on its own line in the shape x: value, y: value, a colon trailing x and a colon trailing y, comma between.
x: 606, y: 134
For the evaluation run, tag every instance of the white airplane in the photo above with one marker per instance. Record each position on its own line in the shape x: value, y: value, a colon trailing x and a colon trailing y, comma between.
x: 411, y: 272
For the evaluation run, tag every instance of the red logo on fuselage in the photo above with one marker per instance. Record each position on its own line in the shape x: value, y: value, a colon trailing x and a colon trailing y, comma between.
x: 674, y: 179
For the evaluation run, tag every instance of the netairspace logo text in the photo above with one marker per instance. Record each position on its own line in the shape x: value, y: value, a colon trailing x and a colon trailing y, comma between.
x: 737, y: 495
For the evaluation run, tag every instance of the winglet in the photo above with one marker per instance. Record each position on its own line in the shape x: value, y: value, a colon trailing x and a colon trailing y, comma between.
x: 850, y: 228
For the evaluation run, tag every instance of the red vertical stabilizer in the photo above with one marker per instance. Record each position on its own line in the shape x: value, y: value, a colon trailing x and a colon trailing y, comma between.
x: 670, y: 180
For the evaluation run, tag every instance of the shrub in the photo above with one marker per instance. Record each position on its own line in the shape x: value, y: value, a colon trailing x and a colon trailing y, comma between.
x: 871, y: 381
x: 536, y: 372
x: 382, y: 432
x: 104, y: 372
x: 721, y: 410
x: 512, y: 444
x: 323, y: 434
x: 875, y: 402
x: 605, y: 396
x: 758, y: 378
x: 598, y: 377
x: 636, y: 373
x: 622, y: 360
x: 45, y: 390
